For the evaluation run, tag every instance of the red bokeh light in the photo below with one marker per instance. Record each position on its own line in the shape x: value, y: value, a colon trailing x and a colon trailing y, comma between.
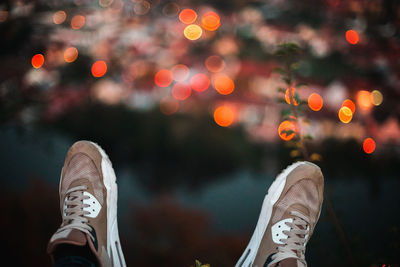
x: 315, y: 102
x: 369, y: 145
x: 163, y: 78
x: 187, y: 16
x: 200, y: 82
x: 224, y: 116
x: 210, y: 21
x: 37, y: 61
x: 352, y: 37
x: 181, y: 91
x: 350, y: 104
x: 99, y: 68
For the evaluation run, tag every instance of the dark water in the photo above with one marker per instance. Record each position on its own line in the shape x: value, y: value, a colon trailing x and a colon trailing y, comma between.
x: 212, y: 223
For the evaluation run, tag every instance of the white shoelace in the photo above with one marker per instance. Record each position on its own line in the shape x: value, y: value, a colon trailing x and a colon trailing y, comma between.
x: 74, y: 213
x: 296, y: 239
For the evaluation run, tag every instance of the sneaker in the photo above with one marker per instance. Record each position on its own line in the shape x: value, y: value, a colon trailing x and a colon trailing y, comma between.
x: 88, y: 204
x: 288, y: 216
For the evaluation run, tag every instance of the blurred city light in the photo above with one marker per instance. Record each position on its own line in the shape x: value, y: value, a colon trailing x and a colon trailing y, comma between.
x: 287, y: 130
x: 369, y: 145
x: 315, y: 102
x: 70, y: 54
x: 163, y: 78
x: 99, y: 68
x: 345, y: 114
x: 364, y: 100
x: 210, y: 21
x: 59, y: 17
x: 180, y: 72
x: 200, y: 82
x: 37, y: 61
x: 215, y: 64
x: 288, y: 97
x: 352, y: 37
x: 141, y: 8
x: 192, y: 32
x: 78, y: 22
x: 188, y: 16
x: 224, y: 116
x: 181, y: 91
x: 171, y: 9
x: 169, y: 105
x: 376, y: 97
x: 223, y: 84
x: 350, y: 104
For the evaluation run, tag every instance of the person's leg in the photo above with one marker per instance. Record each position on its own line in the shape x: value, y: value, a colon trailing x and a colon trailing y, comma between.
x: 88, y: 235
x: 288, y: 216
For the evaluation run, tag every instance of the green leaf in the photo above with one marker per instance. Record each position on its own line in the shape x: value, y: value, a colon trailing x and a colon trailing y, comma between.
x: 286, y: 112
x: 287, y: 81
x: 301, y: 84
x: 307, y: 137
x: 282, y: 90
x: 198, y: 263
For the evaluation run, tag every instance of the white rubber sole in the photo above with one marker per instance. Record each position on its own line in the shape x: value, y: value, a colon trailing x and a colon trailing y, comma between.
x: 273, y: 194
x: 113, y: 243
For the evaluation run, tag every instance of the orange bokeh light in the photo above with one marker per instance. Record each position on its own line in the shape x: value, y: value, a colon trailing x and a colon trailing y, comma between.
x: 287, y: 126
x: 181, y: 91
x: 99, y: 68
x: 369, y: 145
x: 350, y: 104
x: 345, y: 114
x: 352, y: 37
x: 70, y: 54
x: 224, y: 116
x: 364, y: 100
x: 223, y: 84
x: 210, y: 21
x: 37, y: 61
x: 180, y: 72
x: 215, y: 63
x: 187, y: 16
x: 315, y: 102
x: 163, y: 78
x: 59, y: 17
x: 192, y: 32
x: 169, y: 105
x: 288, y: 97
x: 78, y: 22
x: 200, y: 82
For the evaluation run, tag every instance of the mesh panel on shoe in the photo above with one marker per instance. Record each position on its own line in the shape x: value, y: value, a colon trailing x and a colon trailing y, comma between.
x: 304, y: 192
x: 81, y: 166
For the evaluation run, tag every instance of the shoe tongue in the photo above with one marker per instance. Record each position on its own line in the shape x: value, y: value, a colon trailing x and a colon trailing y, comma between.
x: 68, y: 236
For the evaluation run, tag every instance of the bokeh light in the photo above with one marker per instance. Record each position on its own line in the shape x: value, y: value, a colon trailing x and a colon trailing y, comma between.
x: 163, y: 78
x: 345, y: 114
x: 288, y: 97
x: 188, y: 16
x: 210, y: 21
x: 283, y: 129
x: 141, y: 8
x: 171, y: 9
x: 352, y: 37
x: 37, y: 61
x: 180, y: 72
x: 169, y: 105
x: 215, y: 64
x: 193, y: 32
x: 70, y: 54
x: 369, y: 145
x: 78, y: 22
x: 224, y: 116
x: 364, y: 100
x: 105, y: 3
x: 200, y: 82
x: 223, y: 84
x: 350, y: 104
x: 59, y: 17
x: 376, y: 97
x: 99, y: 68
x: 315, y: 102
x: 181, y: 91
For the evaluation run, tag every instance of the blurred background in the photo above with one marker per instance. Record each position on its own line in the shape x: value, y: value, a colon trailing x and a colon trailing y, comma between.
x: 186, y: 99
